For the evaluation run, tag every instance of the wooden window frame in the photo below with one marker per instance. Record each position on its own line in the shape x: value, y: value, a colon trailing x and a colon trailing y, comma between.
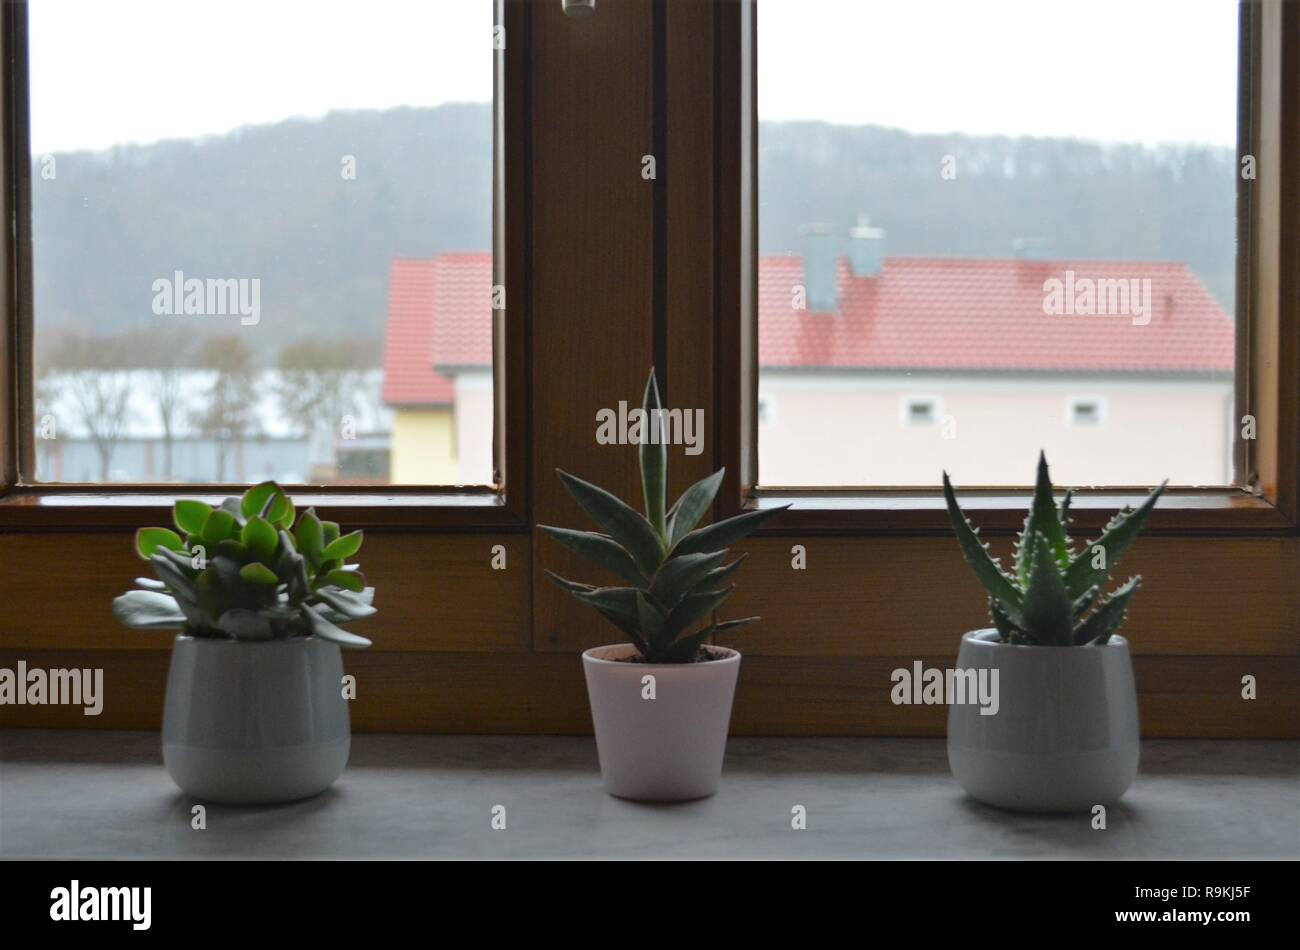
x: 503, y: 506
x: 1268, y: 318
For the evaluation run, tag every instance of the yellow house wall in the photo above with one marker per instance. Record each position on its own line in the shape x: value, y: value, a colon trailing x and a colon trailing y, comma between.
x: 423, y: 447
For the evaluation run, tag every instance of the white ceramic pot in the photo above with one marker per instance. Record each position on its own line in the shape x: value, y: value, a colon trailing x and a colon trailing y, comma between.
x: 1065, y: 735
x: 255, y: 722
x: 668, y: 748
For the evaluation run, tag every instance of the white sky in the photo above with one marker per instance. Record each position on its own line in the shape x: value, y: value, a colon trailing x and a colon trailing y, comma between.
x: 105, y: 73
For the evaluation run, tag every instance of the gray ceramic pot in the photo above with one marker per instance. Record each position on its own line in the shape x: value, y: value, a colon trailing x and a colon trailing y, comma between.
x: 255, y: 722
x: 1065, y: 736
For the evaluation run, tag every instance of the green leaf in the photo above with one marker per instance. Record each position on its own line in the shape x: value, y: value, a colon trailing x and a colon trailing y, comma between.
x: 149, y: 540
x: 1108, y: 617
x: 176, y: 578
x: 1119, y: 535
x: 1042, y: 520
x: 716, y: 578
x: 1047, y: 613
x: 723, y: 534
x: 684, y: 649
x: 651, y: 620
x: 1006, y: 629
x: 690, y: 508
x: 255, y: 499
x: 352, y: 581
x: 257, y: 573
x: 148, y: 610
x: 654, y: 458
x: 600, y: 549
x: 219, y: 526
x: 1000, y: 587
x: 282, y: 512
x: 261, y: 538
x: 311, y: 536
x: 624, y: 524
x: 680, y: 575
x: 615, y: 604
x: 331, y: 530
x: 342, y: 548
x: 328, y: 631
x: 692, y: 608
x: 190, y: 515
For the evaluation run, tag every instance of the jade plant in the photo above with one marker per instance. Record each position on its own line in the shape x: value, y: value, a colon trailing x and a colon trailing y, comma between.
x: 673, y: 571
x: 1051, y: 596
x: 245, y: 571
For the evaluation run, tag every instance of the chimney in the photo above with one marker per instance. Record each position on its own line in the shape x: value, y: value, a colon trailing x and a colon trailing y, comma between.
x: 866, y: 249
x: 820, y: 269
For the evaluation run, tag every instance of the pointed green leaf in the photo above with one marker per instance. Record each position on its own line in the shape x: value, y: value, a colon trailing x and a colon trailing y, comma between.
x: 624, y: 524
x: 692, y: 608
x: 189, y: 515
x: 651, y: 621
x: 600, y: 549
x: 1047, y: 616
x: 615, y: 604
x: 1000, y: 587
x: 1119, y: 535
x: 149, y: 540
x: 654, y: 458
x: 690, y: 508
x: 723, y: 534
x: 684, y: 649
x: 680, y: 575
x: 1108, y: 617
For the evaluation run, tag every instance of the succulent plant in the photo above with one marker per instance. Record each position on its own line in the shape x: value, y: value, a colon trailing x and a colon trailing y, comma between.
x: 673, y: 570
x: 1051, y: 598
x: 244, y: 571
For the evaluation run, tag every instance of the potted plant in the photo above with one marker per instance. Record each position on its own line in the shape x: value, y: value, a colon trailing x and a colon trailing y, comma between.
x: 661, y: 703
x: 254, y: 710
x: 1065, y: 733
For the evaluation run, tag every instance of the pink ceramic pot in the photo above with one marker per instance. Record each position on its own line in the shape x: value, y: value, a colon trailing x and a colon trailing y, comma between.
x: 661, y: 728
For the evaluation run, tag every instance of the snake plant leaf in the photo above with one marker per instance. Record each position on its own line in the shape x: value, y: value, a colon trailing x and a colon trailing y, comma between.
x: 1119, y: 535
x: 1000, y: 587
x: 615, y: 604
x: 149, y: 540
x: 684, y: 649
x: 723, y: 534
x: 621, y: 522
x: 189, y: 515
x: 1047, y: 609
x: 693, y: 607
x: 346, y: 602
x: 343, y: 547
x: 148, y: 610
x: 600, y: 549
x: 716, y: 578
x: 260, y: 537
x: 654, y: 458
x: 691, y: 506
x: 1108, y: 617
x: 243, y: 624
x: 650, y: 619
x: 328, y: 631
x: 680, y: 575
x: 310, y: 536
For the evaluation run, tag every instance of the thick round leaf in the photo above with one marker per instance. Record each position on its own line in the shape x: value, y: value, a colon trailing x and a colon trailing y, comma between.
x: 255, y: 499
x: 148, y: 610
x: 245, y: 625
x: 261, y: 538
x: 348, y: 580
x: 149, y: 540
x: 256, y: 573
x: 346, y: 602
x: 219, y: 526
x: 190, y: 515
x: 328, y: 631
x: 310, y: 536
x: 344, y: 547
x: 331, y: 530
x: 282, y: 511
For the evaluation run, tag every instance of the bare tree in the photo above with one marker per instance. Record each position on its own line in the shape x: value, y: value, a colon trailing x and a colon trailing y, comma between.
x: 227, y: 416
x: 92, y: 371
x: 167, y: 355
x: 318, y: 384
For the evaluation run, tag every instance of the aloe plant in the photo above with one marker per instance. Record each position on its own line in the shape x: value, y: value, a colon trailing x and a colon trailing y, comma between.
x: 673, y: 570
x: 1051, y: 597
x: 244, y: 571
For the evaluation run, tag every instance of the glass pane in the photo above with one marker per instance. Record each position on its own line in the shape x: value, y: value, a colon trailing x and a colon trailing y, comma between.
x: 262, y: 239
x: 992, y: 227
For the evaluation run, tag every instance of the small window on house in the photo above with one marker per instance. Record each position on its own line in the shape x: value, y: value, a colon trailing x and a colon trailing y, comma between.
x: 920, y: 410
x: 1086, y: 411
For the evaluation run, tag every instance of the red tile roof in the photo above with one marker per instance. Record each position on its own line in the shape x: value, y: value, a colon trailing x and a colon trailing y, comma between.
x: 918, y: 313
x: 409, y: 376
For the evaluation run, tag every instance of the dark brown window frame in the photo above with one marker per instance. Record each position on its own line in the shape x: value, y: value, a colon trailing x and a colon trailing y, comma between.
x: 504, y: 506
x: 1268, y: 311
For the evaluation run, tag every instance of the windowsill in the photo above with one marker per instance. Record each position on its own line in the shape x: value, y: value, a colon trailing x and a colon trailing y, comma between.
x: 77, y: 507
x: 1190, y: 511
x: 104, y: 796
